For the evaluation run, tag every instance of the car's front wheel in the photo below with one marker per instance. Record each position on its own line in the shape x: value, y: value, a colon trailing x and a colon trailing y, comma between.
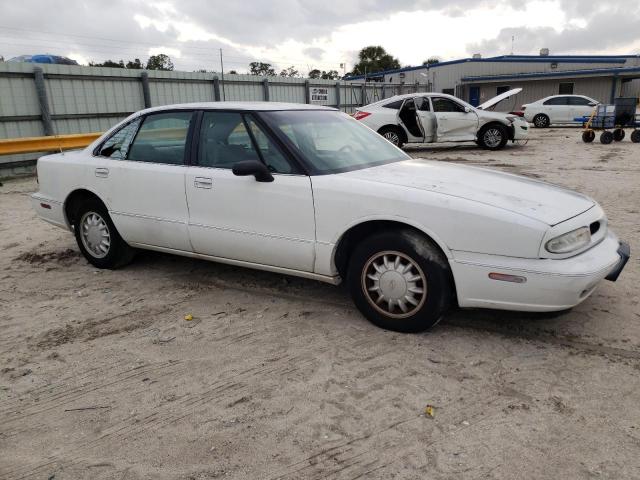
x: 97, y: 237
x: 493, y: 137
x: 393, y: 135
x: 400, y: 281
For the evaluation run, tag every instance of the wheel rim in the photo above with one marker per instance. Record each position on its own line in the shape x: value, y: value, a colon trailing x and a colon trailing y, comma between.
x: 394, y: 284
x: 95, y: 236
x: 492, y: 137
x: 392, y: 137
x: 541, y: 121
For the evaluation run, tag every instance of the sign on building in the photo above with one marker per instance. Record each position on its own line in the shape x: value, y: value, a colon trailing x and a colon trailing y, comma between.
x: 319, y: 95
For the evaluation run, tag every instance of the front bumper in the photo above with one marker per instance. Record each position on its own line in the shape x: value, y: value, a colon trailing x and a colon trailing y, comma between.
x: 550, y: 284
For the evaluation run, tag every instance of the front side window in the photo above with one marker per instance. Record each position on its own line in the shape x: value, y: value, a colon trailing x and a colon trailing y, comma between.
x: 161, y: 138
x: 224, y: 140
x: 581, y: 101
x: 332, y: 142
x: 117, y: 145
x: 445, y: 105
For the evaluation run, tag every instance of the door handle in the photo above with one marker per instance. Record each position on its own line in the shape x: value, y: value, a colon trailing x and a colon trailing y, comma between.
x: 102, y: 172
x: 203, y: 182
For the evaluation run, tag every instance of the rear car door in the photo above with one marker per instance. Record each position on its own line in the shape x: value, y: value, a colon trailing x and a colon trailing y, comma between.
x: 408, y: 119
x: 141, y: 176
x: 238, y: 218
x: 453, y: 122
x: 426, y: 118
x: 558, y: 109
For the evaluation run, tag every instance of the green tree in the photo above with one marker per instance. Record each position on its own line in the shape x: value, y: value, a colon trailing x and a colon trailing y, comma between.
x: 1, y: 58
x: 261, y: 68
x: 233, y: 72
x: 330, y: 75
x: 159, y: 62
x: 290, y: 72
x: 135, y: 64
x: 315, y: 73
x: 108, y: 63
x: 374, y: 59
x: 431, y: 61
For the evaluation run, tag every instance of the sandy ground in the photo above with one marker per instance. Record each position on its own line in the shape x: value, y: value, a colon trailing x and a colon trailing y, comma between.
x: 278, y: 377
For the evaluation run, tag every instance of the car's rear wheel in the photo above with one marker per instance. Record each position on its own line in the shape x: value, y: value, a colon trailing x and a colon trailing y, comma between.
x: 493, y: 137
x: 393, y: 135
x: 541, y: 120
x: 97, y: 237
x: 400, y: 281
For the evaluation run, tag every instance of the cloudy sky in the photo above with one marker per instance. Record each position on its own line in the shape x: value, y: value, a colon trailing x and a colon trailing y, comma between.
x: 313, y: 33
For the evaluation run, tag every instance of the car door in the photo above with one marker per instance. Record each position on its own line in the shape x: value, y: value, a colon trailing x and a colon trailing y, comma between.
x: 141, y: 172
x: 453, y: 121
x: 407, y: 118
x: 581, y: 107
x: 238, y: 218
x: 558, y: 109
x: 426, y: 118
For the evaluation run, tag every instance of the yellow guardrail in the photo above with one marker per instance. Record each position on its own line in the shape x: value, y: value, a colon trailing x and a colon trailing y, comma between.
x: 46, y: 144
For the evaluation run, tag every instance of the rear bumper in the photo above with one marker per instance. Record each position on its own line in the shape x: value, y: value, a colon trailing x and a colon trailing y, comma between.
x: 549, y: 285
x: 49, y: 210
x: 519, y: 130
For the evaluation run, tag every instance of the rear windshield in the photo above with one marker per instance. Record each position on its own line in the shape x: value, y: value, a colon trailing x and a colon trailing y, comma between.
x: 332, y: 142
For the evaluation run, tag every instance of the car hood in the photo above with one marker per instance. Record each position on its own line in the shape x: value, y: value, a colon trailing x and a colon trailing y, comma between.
x: 498, y: 98
x: 541, y: 201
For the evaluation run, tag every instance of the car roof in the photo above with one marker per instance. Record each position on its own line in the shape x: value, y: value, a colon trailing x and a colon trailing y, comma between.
x: 413, y: 95
x: 244, y: 106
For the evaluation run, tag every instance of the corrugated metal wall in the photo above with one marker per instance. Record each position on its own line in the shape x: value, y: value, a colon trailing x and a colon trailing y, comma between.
x: 91, y: 99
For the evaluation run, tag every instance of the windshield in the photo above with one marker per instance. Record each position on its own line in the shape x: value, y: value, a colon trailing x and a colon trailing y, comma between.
x: 333, y: 142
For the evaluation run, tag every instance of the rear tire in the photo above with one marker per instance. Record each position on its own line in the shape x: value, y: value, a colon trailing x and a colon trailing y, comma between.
x: 541, y: 120
x: 493, y: 137
x: 393, y: 135
x: 97, y: 237
x: 618, y: 134
x: 400, y: 281
x: 606, y: 138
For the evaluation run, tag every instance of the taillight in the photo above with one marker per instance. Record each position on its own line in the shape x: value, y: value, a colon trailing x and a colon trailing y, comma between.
x: 360, y: 115
x: 523, y: 108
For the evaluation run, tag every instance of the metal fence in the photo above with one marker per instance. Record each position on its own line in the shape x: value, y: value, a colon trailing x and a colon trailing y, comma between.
x: 38, y: 100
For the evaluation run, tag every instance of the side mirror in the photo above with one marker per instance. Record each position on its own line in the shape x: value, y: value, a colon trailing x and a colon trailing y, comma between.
x: 592, y: 104
x: 467, y: 109
x: 253, y: 167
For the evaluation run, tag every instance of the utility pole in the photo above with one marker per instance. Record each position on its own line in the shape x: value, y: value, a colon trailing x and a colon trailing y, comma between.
x: 513, y: 37
x: 222, y: 70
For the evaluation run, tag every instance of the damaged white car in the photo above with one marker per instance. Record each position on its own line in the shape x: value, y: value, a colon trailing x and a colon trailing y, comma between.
x: 437, y: 117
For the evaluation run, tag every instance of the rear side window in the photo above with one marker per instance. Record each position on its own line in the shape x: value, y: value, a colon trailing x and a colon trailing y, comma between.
x: 161, y: 138
x: 394, y: 105
x: 557, y: 101
x: 117, y: 146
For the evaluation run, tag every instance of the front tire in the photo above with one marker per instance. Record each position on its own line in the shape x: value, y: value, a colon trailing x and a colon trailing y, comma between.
x: 493, y: 137
x: 541, y: 121
x: 393, y: 135
x: 97, y: 237
x: 400, y: 281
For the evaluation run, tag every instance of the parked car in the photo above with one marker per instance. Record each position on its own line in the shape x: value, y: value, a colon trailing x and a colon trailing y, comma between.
x: 309, y: 191
x: 558, y: 109
x: 437, y: 117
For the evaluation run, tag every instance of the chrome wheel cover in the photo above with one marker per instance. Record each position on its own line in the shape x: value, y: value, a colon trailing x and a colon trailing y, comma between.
x: 392, y: 137
x: 541, y: 121
x: 492, y: 137
x: 394, y: 284
x: 95, y: 236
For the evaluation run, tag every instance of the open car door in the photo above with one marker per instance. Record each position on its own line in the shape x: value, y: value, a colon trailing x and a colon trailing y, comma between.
x: 407, y: 117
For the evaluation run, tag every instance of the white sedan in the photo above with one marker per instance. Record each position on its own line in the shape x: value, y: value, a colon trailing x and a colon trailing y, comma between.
x: 558, y: 109
x: 437, y: 117
x: 309, y: 191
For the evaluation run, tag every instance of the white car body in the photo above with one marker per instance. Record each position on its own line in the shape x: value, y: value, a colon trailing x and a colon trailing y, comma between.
x: 558, y: 109
x: 425, y: 124
x: 484, y: 221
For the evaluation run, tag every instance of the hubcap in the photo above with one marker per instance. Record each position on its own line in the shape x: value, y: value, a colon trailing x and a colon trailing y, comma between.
x: 392, y: 137
x: 94, y: 234
x: 541, y: 121
x: 394, y: 284
x: 492, y: 137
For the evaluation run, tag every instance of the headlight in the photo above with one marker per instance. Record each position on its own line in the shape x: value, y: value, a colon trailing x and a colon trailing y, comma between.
x: 569, y: 242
